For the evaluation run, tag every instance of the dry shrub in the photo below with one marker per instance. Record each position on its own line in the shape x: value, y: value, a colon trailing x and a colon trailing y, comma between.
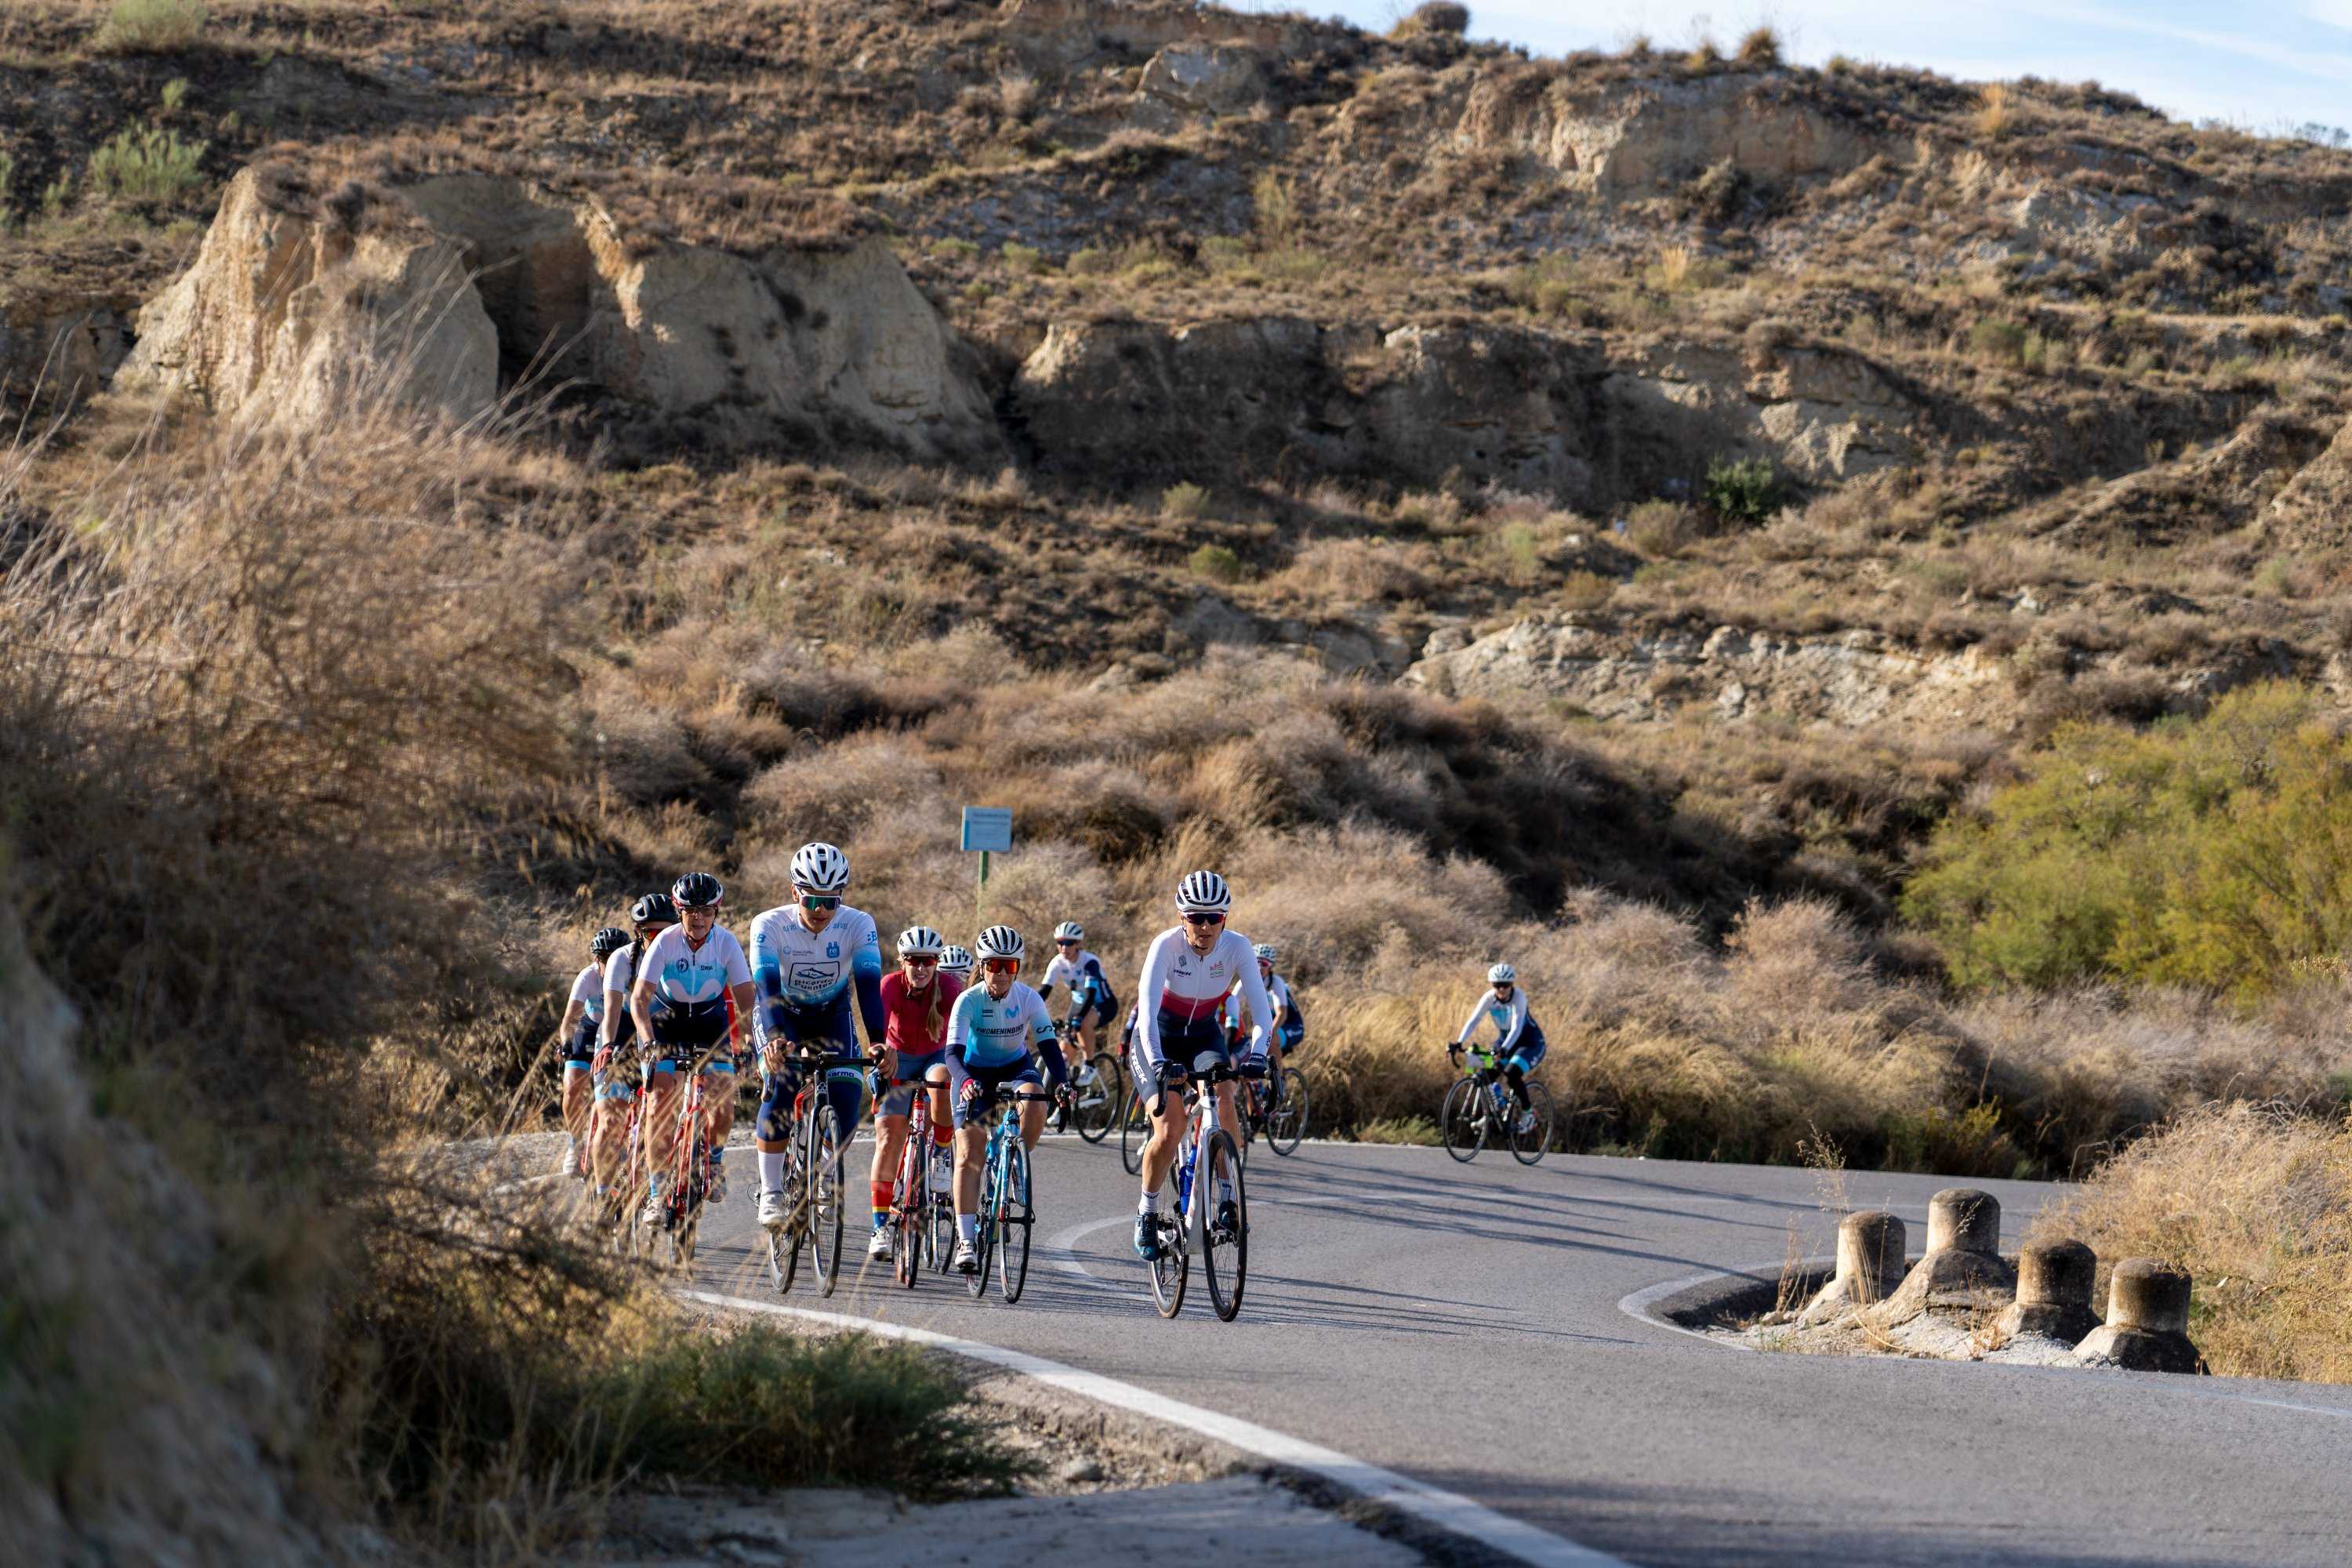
x: 2256, y: 1203
x: 1357, y: 571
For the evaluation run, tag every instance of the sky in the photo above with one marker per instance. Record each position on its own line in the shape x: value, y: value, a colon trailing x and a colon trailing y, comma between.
x: 2263, y: 65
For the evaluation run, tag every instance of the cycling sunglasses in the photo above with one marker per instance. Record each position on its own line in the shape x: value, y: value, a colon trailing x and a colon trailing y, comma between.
x: 1068, y: 942
x: 1209, y: 919
x: 816, y: 903
x: 1003, y: 966
x: 918, y: 961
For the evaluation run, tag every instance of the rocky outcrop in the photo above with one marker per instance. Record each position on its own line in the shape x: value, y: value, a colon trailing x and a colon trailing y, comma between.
x: 293, y: 315
x: 459, y: 287
x: 1821, y: 415
x: 2315, y: 508
x: 1187, y: 81
x: 1269, y: 396
x: 1854, y: 678
x: 58, y: 351
x: 1635, y: 138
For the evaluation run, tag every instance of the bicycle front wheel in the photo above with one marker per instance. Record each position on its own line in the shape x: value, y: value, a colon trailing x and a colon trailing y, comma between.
x: 1172, y: 1268
x: 984, y: 1241
x: 1527, y: 1147
x: 825, y: 1203
x: 1223, y: 1239
x: 1285, y: 1124
x: 1099, y: 1102
x: 1459, y: 1125
x: 914, y: 1203
x: 1134, y: 1132
x: 1014, y: 1214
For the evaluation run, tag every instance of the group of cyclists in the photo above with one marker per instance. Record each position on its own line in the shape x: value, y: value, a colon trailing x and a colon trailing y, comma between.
x: 671, y: 993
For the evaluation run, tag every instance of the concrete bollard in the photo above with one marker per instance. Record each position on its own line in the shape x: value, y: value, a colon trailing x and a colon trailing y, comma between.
x: 1869, y: 1261
x: 1963, y: 1269
x: 2148, y: 1322
x: 2055, y: 1279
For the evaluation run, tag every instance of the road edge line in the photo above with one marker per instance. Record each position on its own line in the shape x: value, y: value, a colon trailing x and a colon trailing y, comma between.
x: 1450, y: 1512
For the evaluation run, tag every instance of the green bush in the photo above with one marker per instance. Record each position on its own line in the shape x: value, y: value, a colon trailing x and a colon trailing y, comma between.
x: 1746, y: 490
x: 2004, y: 342
x: 1182, y: 503
x: 2216, y: 852
x: 150, y: 26
x: 150, y: 165
x: 1216, y: 561
x: 1025, y: 259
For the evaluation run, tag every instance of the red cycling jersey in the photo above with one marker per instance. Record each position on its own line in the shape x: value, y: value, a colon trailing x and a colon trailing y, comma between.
x: 909, y: 1031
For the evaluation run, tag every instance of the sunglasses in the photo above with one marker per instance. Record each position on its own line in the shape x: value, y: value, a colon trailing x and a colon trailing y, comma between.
x: 818, y: 902
x: 1211, y: 919
x: 914, y: 961
x: 1003, y: 966
x: 1066, y: 941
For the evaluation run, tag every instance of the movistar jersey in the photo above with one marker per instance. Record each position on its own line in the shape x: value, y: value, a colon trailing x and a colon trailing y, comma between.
x: 987, y: 1033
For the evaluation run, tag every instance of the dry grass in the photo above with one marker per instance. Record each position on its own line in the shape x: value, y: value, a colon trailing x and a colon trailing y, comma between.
x: 2256, y: 1203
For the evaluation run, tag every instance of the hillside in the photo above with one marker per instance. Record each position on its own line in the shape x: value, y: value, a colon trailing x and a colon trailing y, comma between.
x: 1621, y: 511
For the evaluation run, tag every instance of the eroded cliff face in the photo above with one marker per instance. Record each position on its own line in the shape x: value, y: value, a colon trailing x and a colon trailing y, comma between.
x: 448, y: 293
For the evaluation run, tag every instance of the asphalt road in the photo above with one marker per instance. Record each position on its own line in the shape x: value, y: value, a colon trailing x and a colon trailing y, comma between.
x: 1461, y: 1325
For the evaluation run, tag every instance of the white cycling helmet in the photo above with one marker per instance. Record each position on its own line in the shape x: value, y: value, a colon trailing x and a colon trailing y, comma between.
x: 1502, y: 975
x: 1265, y: 954
x: 820, y: 868
x: 1203, y: 892
x: 1000, y: 941
x: 1069, y: 930
x: 957, y: 961
x: 916, y: 940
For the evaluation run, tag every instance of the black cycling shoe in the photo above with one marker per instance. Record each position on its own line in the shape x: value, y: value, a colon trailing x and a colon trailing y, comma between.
x: 1228, y: 1218
x: 1147, y: 1237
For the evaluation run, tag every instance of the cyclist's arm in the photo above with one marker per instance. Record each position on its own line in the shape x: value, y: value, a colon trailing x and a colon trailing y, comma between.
x: 742, y: 999
x: 865, y: 979
x: 641, y: 1005
x: 1261, y: 1011
x: 1470, y: 1028
x: 1518, y: 1021
x: 766, y: 986
x: 571, y: 1012
x: 1155, y: 964
x: 616, y: 999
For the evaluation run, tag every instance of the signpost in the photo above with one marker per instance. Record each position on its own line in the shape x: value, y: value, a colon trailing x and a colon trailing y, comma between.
x: 986, y: 828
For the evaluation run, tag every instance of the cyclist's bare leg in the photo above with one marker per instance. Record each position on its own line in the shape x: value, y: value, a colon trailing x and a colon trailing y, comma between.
x: 937, y: 1081
x: 1168, y: 1126
x: 660, y: 1121
x: 576, y: 1105
x: 1033, y: 1119
x: 889, y: 1139
x: 718, y: 1108
x: 608, y: 1122
x: 1225, y: 1115
x: 972, y: 1150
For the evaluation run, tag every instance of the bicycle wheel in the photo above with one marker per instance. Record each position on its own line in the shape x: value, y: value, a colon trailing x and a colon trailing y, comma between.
x: 685, y: 1206
x: 1459, y: 1125
x: 1134, y: 1132
x: 824, y: 1203
x: 1100, y: 1102
x: 1224, y: 1251
x: 1287, y: 1121
x: 1014, y: 1216
x: 984, y: 1241
x: 1172, y: 1268
x: 1528, y: 1147
x: 914, y: 1205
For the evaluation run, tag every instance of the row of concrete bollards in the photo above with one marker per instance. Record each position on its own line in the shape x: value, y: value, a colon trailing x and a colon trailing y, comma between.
x: 2047, y: 1293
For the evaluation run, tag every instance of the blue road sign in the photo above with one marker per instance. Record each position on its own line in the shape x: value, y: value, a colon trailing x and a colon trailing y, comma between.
x: 988, y: 827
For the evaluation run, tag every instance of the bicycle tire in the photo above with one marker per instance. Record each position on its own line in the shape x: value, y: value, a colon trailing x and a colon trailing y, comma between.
x: 914, y: 1204
x: 1014, y: 1217
x: 1101, y: 1107
x: 1134, y: 1132
x: 826, y: 1203
x: 1171, y: 1270
x: 1224, y: 1260
x: 1458, y: 1126
x: 686, y: 1200
x: 983, y: 1238
x: 1527, y: 1147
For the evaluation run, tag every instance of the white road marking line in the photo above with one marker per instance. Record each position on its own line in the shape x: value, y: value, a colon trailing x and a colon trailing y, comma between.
x: 1433, y: 1505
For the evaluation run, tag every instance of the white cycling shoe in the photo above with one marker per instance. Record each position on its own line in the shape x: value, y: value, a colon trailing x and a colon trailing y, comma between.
x: 772, y: 1211
x: 967, y: 1258
x: 1527, y: 1122
x: 878, y: 1244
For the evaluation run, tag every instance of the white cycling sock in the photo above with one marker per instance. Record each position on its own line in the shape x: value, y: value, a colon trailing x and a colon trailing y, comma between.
x: 771, y: 1172
x: 1150, y: 1203
x: 968, y: 1226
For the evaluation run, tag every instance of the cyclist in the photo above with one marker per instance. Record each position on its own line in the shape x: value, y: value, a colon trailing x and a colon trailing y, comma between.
x: 1518, y: 1043
x: 807, y: 957
x: 1187, y: 973
x: 584, y: 1016
x: 916, y: 1001
x: 1092, y: 1000
x: 989, y: 1032
x: 608, y: 1122
x: 956, y: 960
x: 1290, y: 1026
x: 691, y: 985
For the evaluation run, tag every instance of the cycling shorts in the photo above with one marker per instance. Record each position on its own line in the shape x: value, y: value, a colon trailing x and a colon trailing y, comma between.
x: 580, y: 1050
x: 1105, y: 1006
x: 609, y: 1086
x: 1290, y: 1038
x: 1185, y: 1046
x: 992, y: 1082
x: 681, y: 1033
x: 899, y: 1100
x: 1527, y: 1051
x: 845, y: 1090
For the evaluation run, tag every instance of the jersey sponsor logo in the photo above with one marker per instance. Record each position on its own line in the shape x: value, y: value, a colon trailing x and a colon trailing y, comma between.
x: 833, y: 949
x: 812, y: 976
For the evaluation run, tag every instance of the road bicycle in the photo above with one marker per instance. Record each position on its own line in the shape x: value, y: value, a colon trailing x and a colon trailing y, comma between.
x: 1134, y: 1128
x: 1199, y: 1224
x: 922, y: 1213
x: 680, y: 1220
x: 1091, y: 1101
x: 813, y: 1217
x: 1275, y: 1108
x: 1480, y: 1109
x: 1006, y: 1213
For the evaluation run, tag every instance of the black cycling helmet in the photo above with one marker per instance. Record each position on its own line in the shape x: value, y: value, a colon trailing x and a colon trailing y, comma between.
x: 654, y: 910
x: 696, y: 891
x: 608, y: 941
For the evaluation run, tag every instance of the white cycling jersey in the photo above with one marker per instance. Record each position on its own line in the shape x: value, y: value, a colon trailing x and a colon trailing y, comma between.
x: 987, y: 1033
x: 619, y: 970
x: 1277, y: 996
x: 686, y: 977
x: 1189, y: 988
x: 1080, y: 977
x: 1509, y: 1019
x: 588, y: 990
x: 805, y: 968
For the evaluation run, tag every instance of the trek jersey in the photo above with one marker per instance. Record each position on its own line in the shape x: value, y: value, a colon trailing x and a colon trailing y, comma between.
x: 797, y: 970
x: 1189, y: 988
x: 1086, y: 979
x: 1509, y: 1019
x: 693, y: 979
x: 987, y: 1033
x: 909, y: 1012
x: 588, y: 990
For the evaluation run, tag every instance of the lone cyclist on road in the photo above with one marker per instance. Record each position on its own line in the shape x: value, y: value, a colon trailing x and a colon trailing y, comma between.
x: 1518, y: 1044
